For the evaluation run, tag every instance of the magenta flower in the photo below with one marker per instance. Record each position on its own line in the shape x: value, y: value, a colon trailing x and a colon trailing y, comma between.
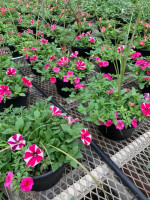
x: 19, y: 34
x: 76, y: 80
x: 32, y: 21
x: 136, y: 55
x: 16, y: 142
x: 46, y: 66
x: 55, y: 111
x: 33, y: 58
x: 53, y: 27
x: 65, y: 79
x: 71, y: 120
x: 63, y: 61
x: 26, y: 82
x: 78, y: 38
x: 1, y: 99
x: 11, y: 72
x: 52, y: 57
x: 103, y: 29
x: 53, y: 79
x: 92, y: 40
x: 26, y: 56
x: 74, y: 54
x: 80, y: 64
x: 26, y: 184
x: 101, y: 123
x: 43, y: 41
x: 33, y: 155
x: 56, y: 69
x: 109, y: 91
x: 78, y: 86
x: 109, y: 77
x: 4, y: 90
x: 145, y: 108
x: 142, y: 43
x: 142, y: 63
x: 103, y: 64
x: 8, y: 179
x: 134, y: 122
x: 88, y: 33
x: 109, y: 123
x: 85, y: 137
x: 147, y: 97
x: 97, y: 59
x: 70, y: 73
x: 120, y: 48
x: 120, y: 125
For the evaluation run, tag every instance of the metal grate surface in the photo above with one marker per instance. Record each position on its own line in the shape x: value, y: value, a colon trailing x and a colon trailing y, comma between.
x: 130, y: 155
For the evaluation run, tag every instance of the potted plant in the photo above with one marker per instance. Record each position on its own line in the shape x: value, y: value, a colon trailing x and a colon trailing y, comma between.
x: 116, y: 114
x: 13, y: 87
x: 28, y: 162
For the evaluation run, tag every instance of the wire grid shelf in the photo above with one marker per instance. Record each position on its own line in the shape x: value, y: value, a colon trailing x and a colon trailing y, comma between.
x: 131, y: 155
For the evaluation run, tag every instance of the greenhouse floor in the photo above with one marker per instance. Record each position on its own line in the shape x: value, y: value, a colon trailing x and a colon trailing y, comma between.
x: 131, y: 155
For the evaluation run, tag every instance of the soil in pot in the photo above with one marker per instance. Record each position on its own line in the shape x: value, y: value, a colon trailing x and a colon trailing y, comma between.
x: 17, y: 101
x: 14, y: 53
x: 111, y: 68
x: 49, y: 38
x: 146, y: 89
x: 144, y: 52
x: 48, y: 180
x: 82, y: 51
x: 114, y: 134
x: 32, y: 69
x: 60, y: 84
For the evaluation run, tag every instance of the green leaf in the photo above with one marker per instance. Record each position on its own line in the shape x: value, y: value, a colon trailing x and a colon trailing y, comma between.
x: 19, y: 123
x: 66, y: 128
x: 27, y: 126
x: 36, y: 114
x: 73, y: 164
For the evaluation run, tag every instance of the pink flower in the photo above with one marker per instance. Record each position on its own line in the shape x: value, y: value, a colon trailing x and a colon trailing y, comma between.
x: 26, y: 184
x: 55, y: 111
x: 142, y: 43
x: 145, y: 37
x: 26, y: 56
x: 135, y: 55
x: 69, y: 73
x: 53, y: 27
x: 46, y: 66
x: 101, y: 123
x: 142, y: 63
x: 33, y: 155
x: 116, y: 115
x: 53, y: 79
x: 78, y: 37
x: 109, y: 91
x: 65, y: 79
x: 1, y: 99
x: 43, y: 41
x: 8, y: 179
x: 80, y: 64
x: 11, y: 72
x: 92, y: 40
x: 4, y: 90
x: 16, y: 142
x: 33, y: 58
x: 109, y: 77
x: 134, y: 122
x: 19, y: 34
x: 26, y: 82
x: 74, y: 54
x: 120, y: 48
x: 77, y: 80
x: 109, y: 123
x: 97, y: 59
x: 52, y: 57
x: 71, y: 120
x: 85, y: 137
x: 56, y: 69
x: 145, y: 108
x: 63, y: 61
x: 78, y: 86
x: 103, y: 64
x: 103, y: 29
x: 88, y: 33
x: 32, y: 21
x: 120, y: 125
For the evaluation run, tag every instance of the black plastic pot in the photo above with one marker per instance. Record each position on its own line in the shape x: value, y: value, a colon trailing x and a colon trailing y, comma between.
x: 17, y: 101
x: 14, y: 53
x: 20, y: 29
x: 60, y: 84
x: 111, y: 68
x: 34, y: 71
x: 114, y: 134
x: 48, y: 180
x: 49, y: 38
x: 82, y: 51
x: 144, y: 52
x: 146, y: 89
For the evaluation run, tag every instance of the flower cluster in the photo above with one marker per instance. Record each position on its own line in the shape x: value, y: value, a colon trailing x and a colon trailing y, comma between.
x: 142, y: 63
x: 135, y: 55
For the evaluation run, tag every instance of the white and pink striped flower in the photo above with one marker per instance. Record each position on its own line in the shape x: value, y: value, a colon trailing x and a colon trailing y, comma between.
x: 33, y: 155
x: 53, y: 27
x: 26, y: 82
x: 63, y: 61
x: 74, y: 54
x: 52, y: 57
x: 86, y: 137
x: 92, y: 40
x: 55, y: 111
x: 71, y: 120
x: 80, y: 64
x: 16, y: 142
x: 11, y: 72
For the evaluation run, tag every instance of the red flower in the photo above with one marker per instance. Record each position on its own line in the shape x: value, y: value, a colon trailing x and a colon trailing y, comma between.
x: 55, y: 111
x: 4, y: 90
x: 33, y: 155
x: 145, y: 108
x: 109, y: 123
x: 142, y: 42
x: 26, y: 82
x: 11, y: 72
x: 85, y: 137
x: 80, y: 64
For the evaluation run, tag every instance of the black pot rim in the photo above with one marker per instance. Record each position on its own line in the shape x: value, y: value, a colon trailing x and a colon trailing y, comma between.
x: 15, y: 97
x: 146, y: 50
x: 48, y: 173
